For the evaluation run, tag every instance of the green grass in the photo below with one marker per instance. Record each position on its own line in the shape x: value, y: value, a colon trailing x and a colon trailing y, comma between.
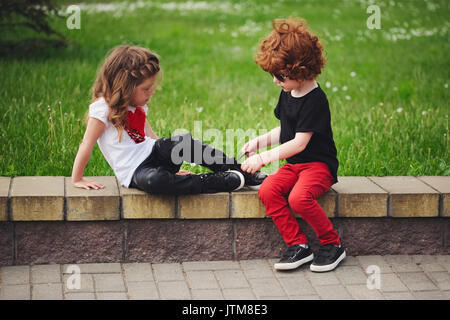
x: 392, y: 119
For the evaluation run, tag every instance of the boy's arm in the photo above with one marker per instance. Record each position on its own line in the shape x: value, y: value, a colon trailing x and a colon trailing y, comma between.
x: 286, y: 150
x: 149, y: 131
x: 93, y: 131
x: 266, y: 140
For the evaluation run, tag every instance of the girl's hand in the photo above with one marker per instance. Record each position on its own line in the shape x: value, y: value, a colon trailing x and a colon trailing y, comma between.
x: 184, y: 172
x: 88, y: 184
x: 250, y: 148
x: 252, y: 164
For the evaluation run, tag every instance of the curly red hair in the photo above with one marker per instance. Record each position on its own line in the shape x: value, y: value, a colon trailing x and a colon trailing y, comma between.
x: 291, y: 50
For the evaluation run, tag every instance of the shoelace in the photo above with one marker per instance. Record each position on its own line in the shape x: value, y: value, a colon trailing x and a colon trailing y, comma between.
x: 290, y: 252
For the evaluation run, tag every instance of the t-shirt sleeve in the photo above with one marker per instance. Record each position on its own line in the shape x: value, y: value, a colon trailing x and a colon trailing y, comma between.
x: 99, y: 110
x: 315, y: 117
x: 276, y: 111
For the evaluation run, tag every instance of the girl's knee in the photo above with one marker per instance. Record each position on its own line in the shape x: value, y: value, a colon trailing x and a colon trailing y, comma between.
x: 267, y: 190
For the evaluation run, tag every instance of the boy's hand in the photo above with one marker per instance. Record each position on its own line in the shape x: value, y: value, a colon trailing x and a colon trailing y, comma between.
x: 252, y: 164
x: 250, y: 148
x: 88, y: 184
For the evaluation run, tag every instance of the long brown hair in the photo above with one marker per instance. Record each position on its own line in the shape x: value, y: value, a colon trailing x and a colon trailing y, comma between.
x: 124, y: 68
x: 290, y: 49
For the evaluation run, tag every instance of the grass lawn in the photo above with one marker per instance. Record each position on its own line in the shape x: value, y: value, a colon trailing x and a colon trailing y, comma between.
x: 387, y: 88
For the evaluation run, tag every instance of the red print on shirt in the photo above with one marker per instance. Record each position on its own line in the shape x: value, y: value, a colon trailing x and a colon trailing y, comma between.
x: 136, y: 125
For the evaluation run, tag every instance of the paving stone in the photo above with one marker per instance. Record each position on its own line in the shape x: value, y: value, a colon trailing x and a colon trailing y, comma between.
x: 298, y: 286
x: 351, y: 275
x: 322, y: 279
x: 230, y: 279
x: 402, y: 263
x: 37, y: 198
x: 374, y: 260
x: 349, y: 261
x: 15, y: 275
x: 167, y: 271
x: 307, y: 297
x: 137, y: 204
x: 201, y: 280
x: 399, y: 295
x: 440, y: 279
x: 444, y: 261
x: 138, y: 272
x: 256, y: 269
x: 46, y: 274
x: 441, y: 184
x: 361, y: 292
x: 94, y: 268
x: 390, y: 282
x: 173, y: 290
x: 47, y: 291
x: 360, y: 197
x: 143, y: 290
x: 79, y: 296
x: 111, y: 296
x: 428, y: 263
x: 266, y: 287
x: 333, y: 292
x: 246, y: 204
x: 409, y: 197
x: 210, y: 265
x: 108, y: 283
x: 430, y: 295
x: 15, y: 292
x: 86, y: 283
x: 206, y: 294
x: 88, y: 205
x: 4, y: 191
x: 238, y: 294
x: 417, y: 281
x: 204, y: 206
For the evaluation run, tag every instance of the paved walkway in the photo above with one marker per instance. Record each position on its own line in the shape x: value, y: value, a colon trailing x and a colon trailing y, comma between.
x: 362, y: 277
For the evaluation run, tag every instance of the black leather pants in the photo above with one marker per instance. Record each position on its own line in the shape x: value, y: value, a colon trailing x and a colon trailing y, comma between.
x: 157, y: 173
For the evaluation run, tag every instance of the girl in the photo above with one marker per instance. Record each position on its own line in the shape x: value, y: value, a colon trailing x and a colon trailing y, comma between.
x: 294, y: 59
x: 117, y: 122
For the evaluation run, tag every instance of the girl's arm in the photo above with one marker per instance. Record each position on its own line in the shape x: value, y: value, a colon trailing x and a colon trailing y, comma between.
x: 266, y: 140
x: 94, y: 130
x: 286, y: 150
x: 149, y: 131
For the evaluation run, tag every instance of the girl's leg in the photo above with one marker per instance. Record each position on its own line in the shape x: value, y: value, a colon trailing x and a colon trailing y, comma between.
x: 173, y: 151
x: 272, y: 193
x: 314, y: 180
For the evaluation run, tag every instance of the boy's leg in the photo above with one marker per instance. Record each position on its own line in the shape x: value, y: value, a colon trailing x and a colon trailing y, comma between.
x: 272, y: 193
x: 314, y: 180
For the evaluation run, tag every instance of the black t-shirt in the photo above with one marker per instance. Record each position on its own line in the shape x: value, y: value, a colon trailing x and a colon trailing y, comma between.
x: 304, y: 114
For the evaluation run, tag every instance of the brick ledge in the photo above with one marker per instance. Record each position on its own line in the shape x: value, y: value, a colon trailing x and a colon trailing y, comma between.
x: 55, y: 199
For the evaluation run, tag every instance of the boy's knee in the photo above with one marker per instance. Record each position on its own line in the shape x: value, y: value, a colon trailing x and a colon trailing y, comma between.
x: 300, y: 202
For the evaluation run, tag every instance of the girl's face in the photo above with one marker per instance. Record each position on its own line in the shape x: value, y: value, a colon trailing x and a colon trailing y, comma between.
x: 287, y: 84
x: 143, y: 92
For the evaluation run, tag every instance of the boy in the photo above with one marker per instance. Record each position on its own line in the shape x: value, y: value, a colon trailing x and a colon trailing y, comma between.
x: 294, y: 59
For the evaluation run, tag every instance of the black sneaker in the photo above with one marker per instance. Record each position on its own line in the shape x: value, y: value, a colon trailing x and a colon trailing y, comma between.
x: 328, y: 258
x: 225, y: 181
x: 294, y: 257
x: 254, y: 181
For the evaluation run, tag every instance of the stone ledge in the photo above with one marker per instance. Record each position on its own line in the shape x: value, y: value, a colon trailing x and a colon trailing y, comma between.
x: 55, y: 199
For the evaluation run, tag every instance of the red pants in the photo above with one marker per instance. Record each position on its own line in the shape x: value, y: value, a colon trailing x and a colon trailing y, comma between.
x: 304, y: 183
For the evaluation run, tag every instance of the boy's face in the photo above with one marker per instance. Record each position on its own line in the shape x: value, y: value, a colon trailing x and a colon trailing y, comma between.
x: 143, y: 92
x: 288, y: 84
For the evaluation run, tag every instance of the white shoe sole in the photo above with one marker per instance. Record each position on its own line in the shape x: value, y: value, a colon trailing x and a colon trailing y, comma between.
x: 328, y: 267
x: 255, y: 188
x: 293, y: 265
x: 242, y: 179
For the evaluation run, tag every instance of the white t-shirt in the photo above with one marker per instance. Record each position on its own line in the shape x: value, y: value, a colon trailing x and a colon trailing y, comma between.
x: 123, y: 156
